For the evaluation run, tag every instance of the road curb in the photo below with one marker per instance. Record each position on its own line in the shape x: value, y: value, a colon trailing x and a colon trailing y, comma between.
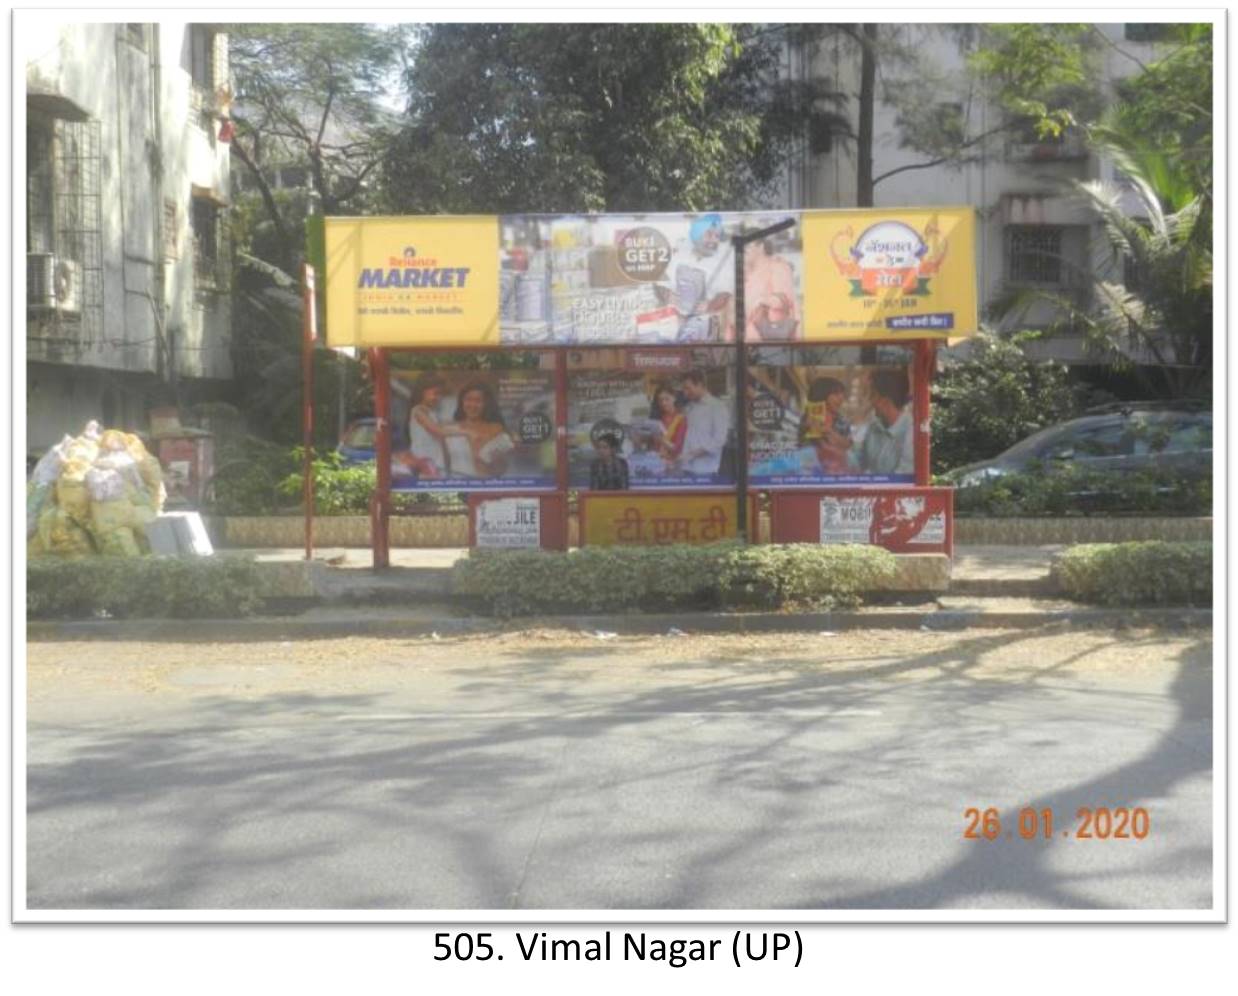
x: 271, y: 629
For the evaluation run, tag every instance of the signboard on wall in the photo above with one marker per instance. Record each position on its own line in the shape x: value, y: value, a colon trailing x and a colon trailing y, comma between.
x: 883, y: 520
x: 509, y: 523
x: 648, y: 279
x: 654, y: 520
x: 903, y: 519
x: 471, y: 430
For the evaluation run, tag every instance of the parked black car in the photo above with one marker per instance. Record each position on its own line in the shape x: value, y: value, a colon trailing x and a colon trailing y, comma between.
x: 1118, y: 438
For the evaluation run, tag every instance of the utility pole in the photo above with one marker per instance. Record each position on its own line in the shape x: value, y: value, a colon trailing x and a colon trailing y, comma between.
x: 740, y: 244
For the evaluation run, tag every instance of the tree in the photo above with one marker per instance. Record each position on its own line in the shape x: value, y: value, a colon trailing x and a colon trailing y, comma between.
x: 595, y: 117
x: 1153, y: 298
x: 311, y: 95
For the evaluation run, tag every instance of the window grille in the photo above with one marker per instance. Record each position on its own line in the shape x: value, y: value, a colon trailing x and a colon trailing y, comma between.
x: 1034, y: 254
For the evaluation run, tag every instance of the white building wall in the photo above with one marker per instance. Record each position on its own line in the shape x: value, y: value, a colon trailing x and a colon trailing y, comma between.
x: 151, y: 149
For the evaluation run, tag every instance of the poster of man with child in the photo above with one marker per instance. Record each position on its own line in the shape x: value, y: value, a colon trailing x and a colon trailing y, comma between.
x: 469, y: 430
x: 845, y: 424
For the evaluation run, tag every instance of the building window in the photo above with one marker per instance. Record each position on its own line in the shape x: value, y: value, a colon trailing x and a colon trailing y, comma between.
x: 202, y: 57
x: 206, y: 230
x: 40, y: 184
x: 171, y: 231
x: 1034, y: 254
x: 1148, y: 32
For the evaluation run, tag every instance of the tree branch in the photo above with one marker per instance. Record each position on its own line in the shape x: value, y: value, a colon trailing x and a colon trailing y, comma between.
x: 946, y: 158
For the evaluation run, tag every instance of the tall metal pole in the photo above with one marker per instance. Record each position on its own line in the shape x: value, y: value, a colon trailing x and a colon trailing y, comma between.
x: 309, y: 332
x: 380, y: 504
x: 741, y: 392
x: 740, y: 244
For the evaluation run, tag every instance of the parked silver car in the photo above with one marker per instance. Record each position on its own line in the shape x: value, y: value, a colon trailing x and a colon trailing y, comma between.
x: 1119, y: 438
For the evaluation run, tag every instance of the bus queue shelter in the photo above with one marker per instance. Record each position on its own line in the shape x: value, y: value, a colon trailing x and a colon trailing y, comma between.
x: 714, y: 357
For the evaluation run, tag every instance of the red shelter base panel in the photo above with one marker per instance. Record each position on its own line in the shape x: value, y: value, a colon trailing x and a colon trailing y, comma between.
x: 903, y: 520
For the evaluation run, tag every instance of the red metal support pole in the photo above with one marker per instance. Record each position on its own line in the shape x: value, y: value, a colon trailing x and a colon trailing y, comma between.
x: 380, y: 504
x: 309, y: 332
x: 925, y: 362
x: 561, y: 477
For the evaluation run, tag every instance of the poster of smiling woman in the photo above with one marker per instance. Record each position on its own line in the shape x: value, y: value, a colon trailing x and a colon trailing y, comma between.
x: 470, y: 430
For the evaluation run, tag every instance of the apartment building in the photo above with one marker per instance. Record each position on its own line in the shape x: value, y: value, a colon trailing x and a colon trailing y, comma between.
x: 127, y: 187
x: 1031, y: 233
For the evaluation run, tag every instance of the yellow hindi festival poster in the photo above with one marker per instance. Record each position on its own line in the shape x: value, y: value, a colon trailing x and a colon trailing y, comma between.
x: 889, y: 274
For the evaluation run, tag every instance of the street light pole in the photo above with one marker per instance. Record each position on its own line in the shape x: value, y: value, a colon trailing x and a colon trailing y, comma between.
x: 740, y: 243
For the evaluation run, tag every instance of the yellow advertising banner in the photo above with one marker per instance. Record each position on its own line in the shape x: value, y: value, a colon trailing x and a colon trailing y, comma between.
x: 889, y: 274
x: 412, y: 281
x: 652, y: 519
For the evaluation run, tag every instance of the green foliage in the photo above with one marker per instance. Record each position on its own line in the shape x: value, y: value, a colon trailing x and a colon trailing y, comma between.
x: 619, y: 579
x: 248, y: 473
x: 998, y: 395
x: 1147, y: 573
x: 346, y: 489
x: 1039, y: 71
x: 1073, y: 490
x: 141, y: 587
x: 1169, y: 104
x: 511, y: 118
x: 339, y: 489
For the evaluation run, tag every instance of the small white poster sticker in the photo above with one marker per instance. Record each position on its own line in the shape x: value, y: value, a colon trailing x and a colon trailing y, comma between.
x: 846, y: 520
x: 509, y: 523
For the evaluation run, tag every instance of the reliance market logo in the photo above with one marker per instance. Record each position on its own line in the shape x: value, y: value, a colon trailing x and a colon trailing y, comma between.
x: 889, y: 257
x: 410, y: 270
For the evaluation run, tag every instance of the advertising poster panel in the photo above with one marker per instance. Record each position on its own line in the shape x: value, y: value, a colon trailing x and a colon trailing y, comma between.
x: 412, y: 281
x: 470, y: 430
x: 509, y: 524
x: 877, y: 274
x: 645, y: 279
x: 653, y: 428
x: 891, y: 520
x: 842, y: 422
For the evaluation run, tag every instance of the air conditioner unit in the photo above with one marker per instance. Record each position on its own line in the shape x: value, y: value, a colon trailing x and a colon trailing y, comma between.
x: 68, y: 282
x: 52, y: 283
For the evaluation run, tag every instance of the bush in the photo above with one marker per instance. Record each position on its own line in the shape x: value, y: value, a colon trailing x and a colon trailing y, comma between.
x: 345, y: 489
x: 986, y: 403
x: 724, y: 575
x: 145, y: 587
x: 247, y: 477
x: 1074, y: 490
x: 1151, y: 573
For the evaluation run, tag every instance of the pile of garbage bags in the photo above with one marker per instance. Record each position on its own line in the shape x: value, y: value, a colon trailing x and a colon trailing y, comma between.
x: 94, y: 494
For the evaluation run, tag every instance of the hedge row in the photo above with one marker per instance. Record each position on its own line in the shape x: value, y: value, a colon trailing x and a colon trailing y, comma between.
x: 141, y: 587
x: 1075, y: 491
x: 1149, y: 573
x: 616, y: 579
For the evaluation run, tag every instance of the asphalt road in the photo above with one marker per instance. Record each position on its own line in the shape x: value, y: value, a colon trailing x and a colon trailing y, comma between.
x: 555, y: 771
